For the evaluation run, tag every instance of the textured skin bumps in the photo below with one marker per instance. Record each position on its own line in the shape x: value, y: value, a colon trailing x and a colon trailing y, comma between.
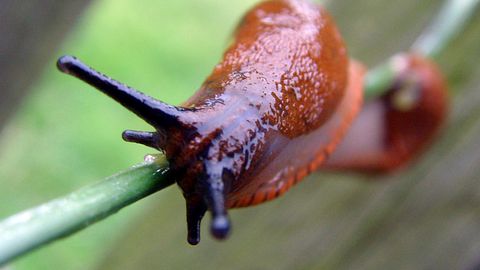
x: 289, y: 60
x: 281, y: 80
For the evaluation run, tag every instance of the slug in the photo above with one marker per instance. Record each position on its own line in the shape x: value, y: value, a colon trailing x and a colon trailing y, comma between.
x: 395, y: 128
x: 270, y: 113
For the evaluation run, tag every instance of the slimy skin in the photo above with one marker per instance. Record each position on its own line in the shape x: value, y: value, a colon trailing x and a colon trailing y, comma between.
x: 270, y: 113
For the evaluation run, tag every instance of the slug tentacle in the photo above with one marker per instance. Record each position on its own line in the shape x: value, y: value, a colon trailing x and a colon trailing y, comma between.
x: 154, y: 112
x: 195, y: 211
x: 214, y: 196
x: 150, y: 139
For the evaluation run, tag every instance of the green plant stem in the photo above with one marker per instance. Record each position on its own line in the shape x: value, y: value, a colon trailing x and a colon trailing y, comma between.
x: 449, y: 22
x: 64, y: 216
x: 35, y: 227
x: 452, y: 17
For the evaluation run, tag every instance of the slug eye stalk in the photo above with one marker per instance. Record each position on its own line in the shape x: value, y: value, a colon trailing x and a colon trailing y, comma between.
x: 158, y: 114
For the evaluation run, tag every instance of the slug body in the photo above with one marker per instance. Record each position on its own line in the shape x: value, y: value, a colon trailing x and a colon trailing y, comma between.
x: 270, y: 113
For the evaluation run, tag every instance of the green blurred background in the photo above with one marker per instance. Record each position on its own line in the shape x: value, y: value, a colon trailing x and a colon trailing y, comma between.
x: 66, y: 135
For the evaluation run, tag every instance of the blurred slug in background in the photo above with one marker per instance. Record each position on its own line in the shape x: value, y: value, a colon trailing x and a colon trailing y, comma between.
x: 396, y: 127
x: 274, y: 110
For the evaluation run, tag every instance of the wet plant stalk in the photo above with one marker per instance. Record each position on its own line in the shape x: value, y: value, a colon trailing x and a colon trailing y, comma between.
x: 35, y: 227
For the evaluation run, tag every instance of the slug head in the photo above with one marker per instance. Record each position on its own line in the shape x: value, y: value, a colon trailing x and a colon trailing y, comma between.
x: 176, y: 134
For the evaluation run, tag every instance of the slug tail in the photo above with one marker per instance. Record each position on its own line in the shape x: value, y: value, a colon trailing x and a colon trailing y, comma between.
x: 154, y: 112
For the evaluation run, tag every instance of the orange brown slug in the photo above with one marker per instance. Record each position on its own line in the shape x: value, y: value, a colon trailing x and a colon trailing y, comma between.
x: 270, y: 113
x: 393, y: 129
